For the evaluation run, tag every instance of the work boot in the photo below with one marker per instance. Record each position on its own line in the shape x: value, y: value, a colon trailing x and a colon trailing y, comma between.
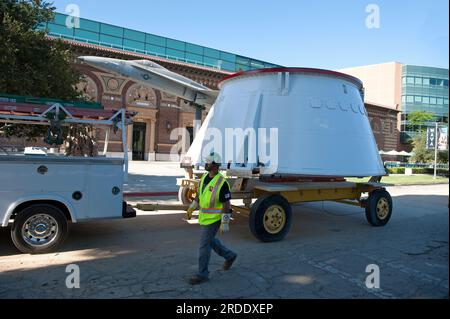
x: 228, y: 263
x: 197, y: 280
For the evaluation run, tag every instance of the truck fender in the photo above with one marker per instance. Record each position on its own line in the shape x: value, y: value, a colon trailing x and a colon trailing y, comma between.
x: 29, y: 198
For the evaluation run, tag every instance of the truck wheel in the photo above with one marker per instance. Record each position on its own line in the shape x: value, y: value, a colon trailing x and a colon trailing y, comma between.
x: 39, y: 229
x: 186, y: 195
x: 379, y: 207
x: 270, y: 218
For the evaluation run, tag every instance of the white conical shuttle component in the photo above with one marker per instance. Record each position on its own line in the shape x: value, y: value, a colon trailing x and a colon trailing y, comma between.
x: 316, y: 120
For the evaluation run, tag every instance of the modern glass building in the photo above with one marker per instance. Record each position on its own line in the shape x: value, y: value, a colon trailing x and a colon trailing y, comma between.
x: 111, y: 36
x: 423, y: 89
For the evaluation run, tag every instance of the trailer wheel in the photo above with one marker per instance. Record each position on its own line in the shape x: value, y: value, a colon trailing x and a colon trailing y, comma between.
x: 186, y: 195
x: 39, y: 229
x: 379, y: 207
x: 270, y: 218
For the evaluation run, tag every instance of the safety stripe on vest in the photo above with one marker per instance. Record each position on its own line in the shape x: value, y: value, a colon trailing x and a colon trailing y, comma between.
x: 211, y: 210
x: 213, y: 196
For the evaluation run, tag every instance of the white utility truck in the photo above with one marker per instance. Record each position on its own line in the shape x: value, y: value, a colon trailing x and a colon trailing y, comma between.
x: 41, y: 193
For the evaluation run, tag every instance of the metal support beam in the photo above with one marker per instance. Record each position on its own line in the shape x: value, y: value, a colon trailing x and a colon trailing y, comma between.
x: 198, y: 119
x: 105, y: 146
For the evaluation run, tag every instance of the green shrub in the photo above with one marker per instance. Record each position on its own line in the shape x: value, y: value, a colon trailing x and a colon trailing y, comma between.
x: 430, y: 171
x: 396, y: 170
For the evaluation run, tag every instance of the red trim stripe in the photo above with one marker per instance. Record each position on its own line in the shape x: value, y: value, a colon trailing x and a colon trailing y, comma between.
x: 347, y: 77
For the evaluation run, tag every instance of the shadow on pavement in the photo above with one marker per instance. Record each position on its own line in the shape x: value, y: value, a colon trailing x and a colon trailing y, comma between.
x: 149, y: 256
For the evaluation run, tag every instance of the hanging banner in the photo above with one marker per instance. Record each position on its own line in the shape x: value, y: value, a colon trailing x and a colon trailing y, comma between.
x: 442, y: 139
x: 431, y: 138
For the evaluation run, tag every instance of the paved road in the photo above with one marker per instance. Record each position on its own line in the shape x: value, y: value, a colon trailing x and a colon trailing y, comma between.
x: 324, y: 256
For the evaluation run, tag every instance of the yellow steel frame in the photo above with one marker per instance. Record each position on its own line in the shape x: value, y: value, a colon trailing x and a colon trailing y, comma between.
x: 343, y: 192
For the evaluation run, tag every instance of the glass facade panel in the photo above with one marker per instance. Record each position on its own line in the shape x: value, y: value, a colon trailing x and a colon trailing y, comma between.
x: 111, y: 30
x: 175, y: 44
x: 175, y: 53
x: 256, y: 64
x: 417, y: 99
x: 133, y: 44
x: 425, y: 100
x: 211, y: 61
x: 241, y: 67
x: 418, y: 81
x: 426, y: 81
x: 212, y: 53
x: 432, y: 100
x: 194, y: 57
x: 134, y: 35
x: 156, y: 40
x: 228, y: 57
x: 228, y: 66
x: 135, y: 41
x: 107, y: 39
x: 192, y: 48
x: 60, y: 19
x: 155, y: 49
x: 89, y: 25
x: 86, y: 35
x: 410, y: 80
x: 242, y: 60
x: 59, y: 29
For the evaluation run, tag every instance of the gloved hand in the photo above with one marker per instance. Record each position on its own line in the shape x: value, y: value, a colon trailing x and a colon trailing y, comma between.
x: 225, y: 223
x: 192, y: 207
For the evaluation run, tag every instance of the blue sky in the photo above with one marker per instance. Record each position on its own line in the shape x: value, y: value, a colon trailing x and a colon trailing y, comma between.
x: 310, y: 33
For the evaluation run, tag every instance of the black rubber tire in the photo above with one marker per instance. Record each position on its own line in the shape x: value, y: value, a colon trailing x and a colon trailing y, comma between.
x: 256, y: 217
x: 371, y: 207
x: 183, y: 195
x: 21, y: 218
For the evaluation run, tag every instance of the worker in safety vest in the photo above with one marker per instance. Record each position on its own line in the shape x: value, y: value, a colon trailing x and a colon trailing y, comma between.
x: 213, y: 200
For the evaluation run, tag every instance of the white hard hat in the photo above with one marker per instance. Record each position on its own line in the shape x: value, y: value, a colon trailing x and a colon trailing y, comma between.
x: 213, y: 158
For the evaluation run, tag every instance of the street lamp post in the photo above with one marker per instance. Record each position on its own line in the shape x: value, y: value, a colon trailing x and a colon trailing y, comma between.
x: 435, y: 149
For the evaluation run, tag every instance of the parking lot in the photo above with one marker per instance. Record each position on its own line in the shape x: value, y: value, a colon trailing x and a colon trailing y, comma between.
x: 325, y: 254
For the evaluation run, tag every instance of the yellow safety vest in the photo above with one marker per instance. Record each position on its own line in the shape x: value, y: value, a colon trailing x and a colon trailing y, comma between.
x: 210, y: 205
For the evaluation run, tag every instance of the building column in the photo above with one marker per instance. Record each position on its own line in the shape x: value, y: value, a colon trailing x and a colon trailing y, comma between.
x: 151, y: 134
x: 130, y: 141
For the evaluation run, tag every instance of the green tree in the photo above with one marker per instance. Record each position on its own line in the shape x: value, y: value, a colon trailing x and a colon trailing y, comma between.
x: 419, y: 118
x: 421, y: 153
x: 30, y: 63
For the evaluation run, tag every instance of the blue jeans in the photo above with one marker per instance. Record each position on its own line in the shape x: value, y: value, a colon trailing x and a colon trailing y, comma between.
x: 209, y: 241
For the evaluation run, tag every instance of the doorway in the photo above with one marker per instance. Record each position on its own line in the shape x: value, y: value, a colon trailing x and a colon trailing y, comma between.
x: 139, y: 130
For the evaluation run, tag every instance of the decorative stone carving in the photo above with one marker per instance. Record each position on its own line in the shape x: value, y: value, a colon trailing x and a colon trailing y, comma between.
x: 168, y: 97
x: 88, y: 88
x: 140, y: 95
x: 112, y: 85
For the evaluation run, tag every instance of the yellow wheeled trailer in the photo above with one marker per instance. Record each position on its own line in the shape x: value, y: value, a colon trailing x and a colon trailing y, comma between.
x: 270, y: 216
